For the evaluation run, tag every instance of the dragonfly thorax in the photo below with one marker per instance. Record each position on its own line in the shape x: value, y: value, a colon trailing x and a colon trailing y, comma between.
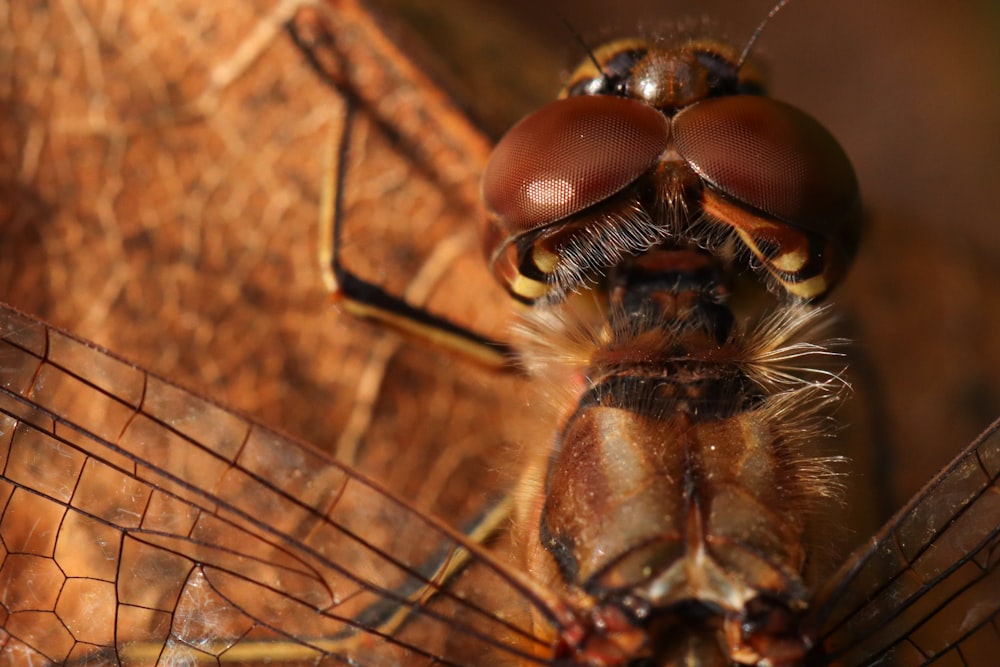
x: 673, y: 483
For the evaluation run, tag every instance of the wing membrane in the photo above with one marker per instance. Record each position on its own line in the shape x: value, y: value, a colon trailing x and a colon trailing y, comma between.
x: 153, y: 525
x: 927, y: 587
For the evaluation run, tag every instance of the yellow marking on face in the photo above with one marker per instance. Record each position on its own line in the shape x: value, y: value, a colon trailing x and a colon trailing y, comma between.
x: 791, y: 262
x: 545, y: 260
x: 807, y: 289
x: 528, y: 288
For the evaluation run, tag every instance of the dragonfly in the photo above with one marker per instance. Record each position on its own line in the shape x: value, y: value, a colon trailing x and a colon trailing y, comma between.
x: 224, y: 502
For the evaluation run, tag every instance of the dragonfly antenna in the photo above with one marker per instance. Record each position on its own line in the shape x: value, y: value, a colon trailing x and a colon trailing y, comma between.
x: 581, y: 41
x: 758, y: 31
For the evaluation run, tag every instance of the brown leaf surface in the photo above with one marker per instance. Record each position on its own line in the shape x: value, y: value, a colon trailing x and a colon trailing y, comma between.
x: 162, y: 172
x: 162, y: 163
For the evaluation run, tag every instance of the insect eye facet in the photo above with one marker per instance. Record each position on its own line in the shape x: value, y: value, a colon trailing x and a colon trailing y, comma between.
x: 771, y: 157
x: 569, y: 155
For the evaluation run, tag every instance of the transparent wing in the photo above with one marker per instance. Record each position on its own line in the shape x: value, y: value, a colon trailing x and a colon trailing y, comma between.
x: 927, y: 586
x: 142, y: 524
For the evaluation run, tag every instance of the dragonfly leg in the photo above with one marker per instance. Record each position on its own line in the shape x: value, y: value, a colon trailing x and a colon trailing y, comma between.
x: 367, y: 300
x: 354, y: 294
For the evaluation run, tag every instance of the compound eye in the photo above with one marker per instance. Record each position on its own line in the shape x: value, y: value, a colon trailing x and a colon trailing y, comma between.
x: 569, y: 155
x: 770, y: 156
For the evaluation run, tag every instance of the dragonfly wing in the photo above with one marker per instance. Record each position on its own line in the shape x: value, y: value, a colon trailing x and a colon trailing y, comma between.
x: 927, y: 586
x: 147, y: 525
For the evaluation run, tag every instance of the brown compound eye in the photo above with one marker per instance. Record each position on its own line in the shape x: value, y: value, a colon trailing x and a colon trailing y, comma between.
x: 760, y: 156
x: 569, y: 155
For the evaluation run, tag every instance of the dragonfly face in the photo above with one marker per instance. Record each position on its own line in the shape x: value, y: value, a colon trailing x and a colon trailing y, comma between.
x: 156, y: 527
x: 682, y: 135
